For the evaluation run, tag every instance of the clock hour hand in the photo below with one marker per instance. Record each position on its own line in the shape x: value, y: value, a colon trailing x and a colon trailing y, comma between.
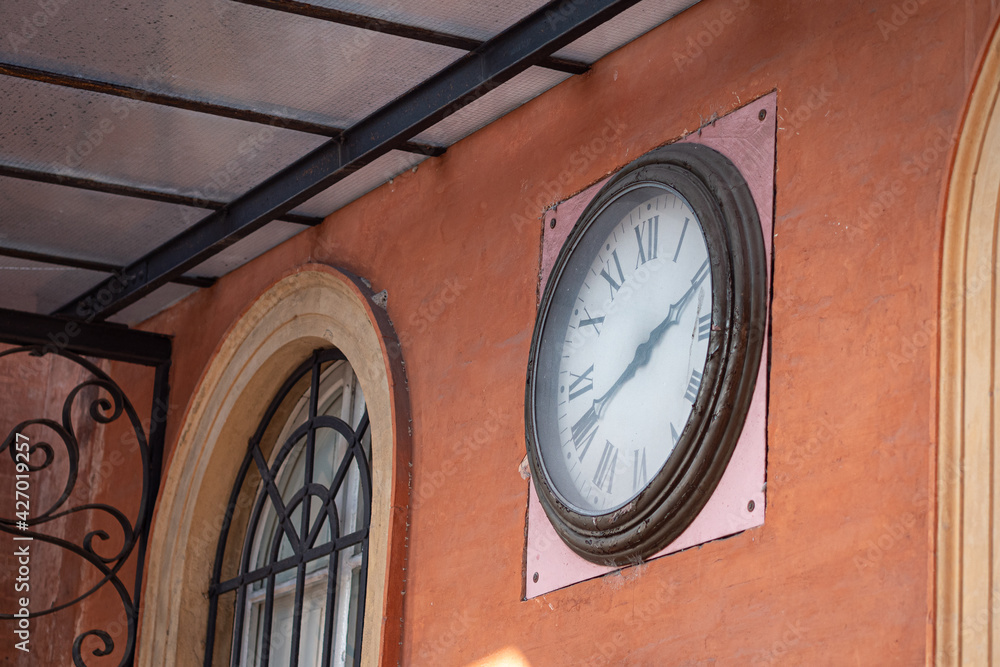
x: 645, y: 350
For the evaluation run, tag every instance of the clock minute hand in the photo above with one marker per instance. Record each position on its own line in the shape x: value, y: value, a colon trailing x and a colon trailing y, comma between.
x: 645, y: 350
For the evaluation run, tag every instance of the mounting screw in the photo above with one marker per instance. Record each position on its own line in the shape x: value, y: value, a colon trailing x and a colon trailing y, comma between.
x: 750, y: 506
x: 534, y: 577
x: 763, y: 114
x: 552, y: 223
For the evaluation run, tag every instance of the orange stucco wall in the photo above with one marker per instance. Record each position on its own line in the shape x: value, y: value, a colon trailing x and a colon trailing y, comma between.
x: 870, y: 99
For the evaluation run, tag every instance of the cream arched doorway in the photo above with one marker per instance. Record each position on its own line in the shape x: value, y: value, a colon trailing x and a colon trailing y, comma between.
x: 968, y: 473
x: 315, y: 307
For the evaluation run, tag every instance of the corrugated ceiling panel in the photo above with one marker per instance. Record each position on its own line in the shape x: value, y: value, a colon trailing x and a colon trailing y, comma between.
x: 227, y: 52
x: 145, y: 308
x: 94, y: 135
x: 41, y: 288
x: 365, y: 179
x: 528, y: 84
x: 246, y: 249
x: 478, y: 20
x: 619, y: 31
x: 81, y: 224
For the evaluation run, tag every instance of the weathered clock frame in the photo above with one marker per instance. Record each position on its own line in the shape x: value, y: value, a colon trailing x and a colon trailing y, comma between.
x: 678, y: 491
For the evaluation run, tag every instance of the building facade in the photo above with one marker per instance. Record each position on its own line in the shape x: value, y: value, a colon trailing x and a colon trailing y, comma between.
x: 876, y: 544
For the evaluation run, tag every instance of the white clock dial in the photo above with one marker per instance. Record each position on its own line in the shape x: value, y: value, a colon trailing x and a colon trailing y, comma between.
x: 631, y: 327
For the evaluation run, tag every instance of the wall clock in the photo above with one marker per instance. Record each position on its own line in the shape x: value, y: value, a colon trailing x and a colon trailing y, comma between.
x: 645, y: 353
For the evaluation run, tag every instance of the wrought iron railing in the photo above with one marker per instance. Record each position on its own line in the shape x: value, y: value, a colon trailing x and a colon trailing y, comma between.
x: 38, y: 464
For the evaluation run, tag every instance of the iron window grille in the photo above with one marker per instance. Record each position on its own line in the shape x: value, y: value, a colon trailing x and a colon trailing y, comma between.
x: 304, y: 449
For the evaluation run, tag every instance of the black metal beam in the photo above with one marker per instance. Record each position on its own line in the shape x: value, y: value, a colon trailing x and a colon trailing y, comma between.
x: 109, y: 341
x: 516, y: 49
x: 89, y: 265
x: 190, y: 104
x: 158, y: 413
x: 400, y: 30
x: 132, y: 191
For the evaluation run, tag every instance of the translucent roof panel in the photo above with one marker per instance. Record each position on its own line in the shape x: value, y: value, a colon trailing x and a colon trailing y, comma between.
x: 622, y: 29
x: 247, y: 248
x: 502, y: 100
x: 364, y: 180
x: 227, y: 52
x: 80, y: 224
x: 41, y: 288
x: 136, y: 143
x: 477, y: 20
x: 158, y: 300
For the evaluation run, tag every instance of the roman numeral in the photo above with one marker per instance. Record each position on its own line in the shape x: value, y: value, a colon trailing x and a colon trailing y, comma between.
x: 615, y: 285
x: 591, y: 322
x: 639, y: 476
x: 674, y: 435
x: 651, y: 228
x: 584, y: 431
x: 701, y: 273
x: 704, y: 326
x: 606, y: 467
x: 680, y: 241
x: 585, y: 380
x: 693, y: 384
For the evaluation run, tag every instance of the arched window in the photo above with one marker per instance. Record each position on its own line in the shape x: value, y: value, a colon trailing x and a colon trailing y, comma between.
x: 294, y: 585
x: 211, y: 484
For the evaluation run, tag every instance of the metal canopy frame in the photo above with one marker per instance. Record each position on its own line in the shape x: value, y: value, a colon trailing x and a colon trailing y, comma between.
x: 92, y: 339
x: 528, y: 43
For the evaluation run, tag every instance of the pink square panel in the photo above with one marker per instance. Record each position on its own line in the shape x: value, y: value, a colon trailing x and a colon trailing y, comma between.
x: 747, y: 137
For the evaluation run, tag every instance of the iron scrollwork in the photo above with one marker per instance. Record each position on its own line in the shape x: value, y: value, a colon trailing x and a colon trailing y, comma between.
x: 105, y: 403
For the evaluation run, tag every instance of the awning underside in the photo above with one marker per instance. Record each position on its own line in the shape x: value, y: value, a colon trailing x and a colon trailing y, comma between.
x: 126, y: 123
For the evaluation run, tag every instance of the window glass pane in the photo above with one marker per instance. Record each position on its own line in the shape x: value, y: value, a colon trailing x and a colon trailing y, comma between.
x: 313, y: 616
x: 353, y: 620
x: 340, y: 397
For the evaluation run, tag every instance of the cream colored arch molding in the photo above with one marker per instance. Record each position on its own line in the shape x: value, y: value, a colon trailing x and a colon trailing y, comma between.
x: 968, y: 535
x: 315, y: 307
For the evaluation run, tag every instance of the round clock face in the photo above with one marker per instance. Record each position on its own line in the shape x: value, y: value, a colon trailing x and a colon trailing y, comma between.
x: 626, y: 346
x: 645, y: 353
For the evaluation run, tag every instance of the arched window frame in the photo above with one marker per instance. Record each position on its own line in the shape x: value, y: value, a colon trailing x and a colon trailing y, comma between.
x: 967, y: 549
x: 317, y: 306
